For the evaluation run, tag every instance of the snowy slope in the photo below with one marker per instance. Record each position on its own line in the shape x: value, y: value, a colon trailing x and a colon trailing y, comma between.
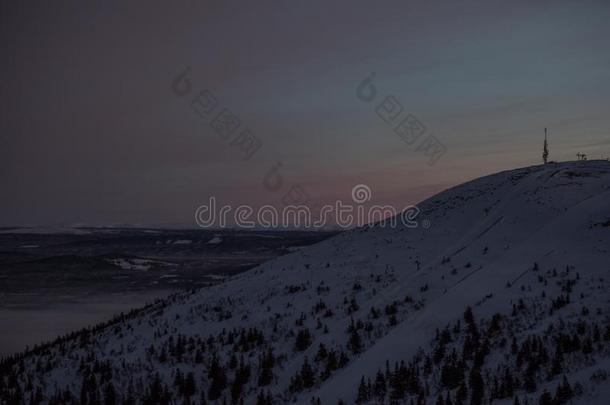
x: 513, y: 243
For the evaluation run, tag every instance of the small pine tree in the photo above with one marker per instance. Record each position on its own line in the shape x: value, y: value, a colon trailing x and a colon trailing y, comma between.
x: 355, y: 342
x: 380, y: 388
x: 303, y: 340
x: 307, y: 374
x: 363, y: 392
x: 477, y: 387
x: 110, y: 394
x: 545, y: 398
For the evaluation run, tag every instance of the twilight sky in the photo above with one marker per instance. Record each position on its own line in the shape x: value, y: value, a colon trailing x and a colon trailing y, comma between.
x: 91, y: 131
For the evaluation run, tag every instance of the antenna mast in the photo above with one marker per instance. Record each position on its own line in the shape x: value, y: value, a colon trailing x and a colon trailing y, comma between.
x: 545, y: 151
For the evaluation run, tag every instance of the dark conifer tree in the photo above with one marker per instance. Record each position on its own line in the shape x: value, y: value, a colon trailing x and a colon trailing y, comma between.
x: 303, y: 340
x: 355, y: 342
x: 477, y: 387
x: 110, y: 395
x: 380, y: 388
x: 545, y: 398
x: 218, y: 380
x: 307, y: 374
x: 363, y: 392
x: 190, y: 387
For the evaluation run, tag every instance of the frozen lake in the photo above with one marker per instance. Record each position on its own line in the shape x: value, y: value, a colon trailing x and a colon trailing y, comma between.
x: 54, y: 283
x: 31, y: 319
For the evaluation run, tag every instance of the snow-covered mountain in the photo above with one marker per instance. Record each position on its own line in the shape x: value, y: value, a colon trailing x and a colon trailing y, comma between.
x: 503, y: 298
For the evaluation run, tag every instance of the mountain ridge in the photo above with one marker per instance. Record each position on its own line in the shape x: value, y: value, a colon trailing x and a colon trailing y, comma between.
x: 372, y: 295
